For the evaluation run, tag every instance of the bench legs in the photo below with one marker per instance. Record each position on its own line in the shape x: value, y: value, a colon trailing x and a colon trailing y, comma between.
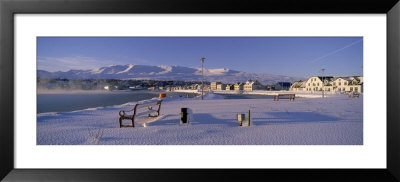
x: 120, y: 122
x: 158, y: 112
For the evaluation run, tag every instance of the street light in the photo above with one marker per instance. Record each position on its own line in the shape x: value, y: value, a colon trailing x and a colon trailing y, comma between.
x: 202, y: 77
x: 323, y: 82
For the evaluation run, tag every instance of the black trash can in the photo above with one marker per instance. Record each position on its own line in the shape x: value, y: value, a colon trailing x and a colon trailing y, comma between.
x: 184, y: 115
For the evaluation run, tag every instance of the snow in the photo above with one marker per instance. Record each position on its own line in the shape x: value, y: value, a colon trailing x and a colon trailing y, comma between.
x: 167, y: 69
x: 97, y: 70
x: 164, y: 72
x: 130, y: 66
x: 218, y: 71
x: 334, y: 120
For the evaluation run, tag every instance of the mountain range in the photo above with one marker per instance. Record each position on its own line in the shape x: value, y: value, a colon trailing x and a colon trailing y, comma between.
x: 147, y: 72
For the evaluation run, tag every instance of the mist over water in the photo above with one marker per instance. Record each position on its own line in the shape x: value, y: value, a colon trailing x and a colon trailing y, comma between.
x: 66, y: 101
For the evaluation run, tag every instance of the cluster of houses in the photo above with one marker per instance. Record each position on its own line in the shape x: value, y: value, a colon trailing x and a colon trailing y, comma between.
x: 250, y: 85
x: 330, y: 84
x: 312, y: 84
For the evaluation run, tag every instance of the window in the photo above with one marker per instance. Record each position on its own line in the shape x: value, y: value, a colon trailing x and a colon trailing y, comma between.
x: 308, y: 84
x: 317, y: 84
x: 344, y: 89
x: 351, y: 89
x: 356, y: 89
x: 334, y: 83
x: 340, y: 83
x: 313, y: 84
x: 345, y: 83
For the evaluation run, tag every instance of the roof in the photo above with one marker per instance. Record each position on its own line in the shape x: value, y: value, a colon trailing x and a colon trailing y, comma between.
x: 326, y: 78
x: 251, y: 82
x: 299, y: 84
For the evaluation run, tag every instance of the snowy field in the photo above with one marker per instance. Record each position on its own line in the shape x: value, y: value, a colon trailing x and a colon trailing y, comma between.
x: 334, y: 120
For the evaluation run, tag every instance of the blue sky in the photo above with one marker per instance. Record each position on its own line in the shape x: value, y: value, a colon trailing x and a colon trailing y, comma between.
x: 291, y: 56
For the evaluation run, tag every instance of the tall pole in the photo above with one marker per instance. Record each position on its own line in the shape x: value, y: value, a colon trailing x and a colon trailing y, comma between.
x: 202, y: 77
x: 323, y: 82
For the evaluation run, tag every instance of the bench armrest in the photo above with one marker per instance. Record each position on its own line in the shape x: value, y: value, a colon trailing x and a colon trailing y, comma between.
x: 122, y: 112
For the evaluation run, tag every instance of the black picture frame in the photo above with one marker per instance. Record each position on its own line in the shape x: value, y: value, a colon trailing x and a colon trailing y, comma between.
x: 8, y: 8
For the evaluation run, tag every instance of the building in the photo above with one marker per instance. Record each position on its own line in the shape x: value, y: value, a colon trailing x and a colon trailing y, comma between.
x: 349, y: 84
x: 213, y: 85
x: 282, y: 86
x: 330, y: 84
x: 195, y: 86
x: 221, y: 86
x: 357, y: 84
x: 298, y: 86
x: 230, y: 87
x: 317, y: 83
x: 239, y: 86
x: 253, y: 85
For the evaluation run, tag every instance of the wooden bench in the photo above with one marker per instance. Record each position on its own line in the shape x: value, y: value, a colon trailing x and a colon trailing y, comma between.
x: 353, y: 95
x: 140, y: 109
x: 291, y: 96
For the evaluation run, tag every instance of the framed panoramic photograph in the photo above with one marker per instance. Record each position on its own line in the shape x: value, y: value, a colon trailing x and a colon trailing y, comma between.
x: 122, y: 91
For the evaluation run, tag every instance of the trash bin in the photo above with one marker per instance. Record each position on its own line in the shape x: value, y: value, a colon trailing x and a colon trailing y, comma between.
x: 240, y: 118
x: 184, y: 115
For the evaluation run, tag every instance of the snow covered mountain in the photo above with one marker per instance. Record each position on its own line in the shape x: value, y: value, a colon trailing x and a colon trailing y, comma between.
x: 165, y: 73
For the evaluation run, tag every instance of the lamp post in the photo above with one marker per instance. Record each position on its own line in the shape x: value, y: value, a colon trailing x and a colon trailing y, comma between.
x: 202, y: 77
x: 323, y: 82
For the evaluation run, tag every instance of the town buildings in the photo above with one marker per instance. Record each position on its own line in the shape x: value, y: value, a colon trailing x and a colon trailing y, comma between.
x: 330, y: 84
x: 213, y: 85
x: 253, y: 85
x: 239, y: 86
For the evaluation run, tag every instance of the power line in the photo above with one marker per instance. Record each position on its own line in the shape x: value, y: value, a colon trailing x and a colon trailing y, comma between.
x: 335, y: 51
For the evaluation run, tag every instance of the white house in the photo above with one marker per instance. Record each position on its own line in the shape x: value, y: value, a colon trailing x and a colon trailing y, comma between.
x: 319, y: 83
x: 253, y: 85
x: 239, y: 86
x: 298, y: 86
x: 348, y: 84
x: 229, y: 87
x: 213, y: 85
x: 330, y: 84
x: 221, y: 86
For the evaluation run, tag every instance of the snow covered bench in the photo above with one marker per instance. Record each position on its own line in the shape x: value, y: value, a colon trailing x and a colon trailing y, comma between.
x: 140, y: 110
x: 291, y: 96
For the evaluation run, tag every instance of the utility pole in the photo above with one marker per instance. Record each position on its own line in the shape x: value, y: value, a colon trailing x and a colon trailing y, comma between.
x: 202, y: 77
x: 323, y: 82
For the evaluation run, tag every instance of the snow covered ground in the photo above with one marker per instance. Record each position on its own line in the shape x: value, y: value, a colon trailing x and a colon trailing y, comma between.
x: 335, y: 120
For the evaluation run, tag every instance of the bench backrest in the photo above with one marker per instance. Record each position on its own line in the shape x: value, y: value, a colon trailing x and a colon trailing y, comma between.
x: 146, y: 105
x: 286, y: 94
